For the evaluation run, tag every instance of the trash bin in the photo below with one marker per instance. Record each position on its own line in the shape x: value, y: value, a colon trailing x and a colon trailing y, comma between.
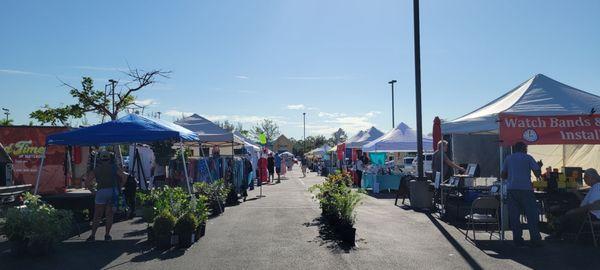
x: 420, y: 196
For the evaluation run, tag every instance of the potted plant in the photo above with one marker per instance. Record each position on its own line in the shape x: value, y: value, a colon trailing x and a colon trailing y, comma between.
x: 345, y: 204
x: 163, y: 230
x: 215, y: 192
x: 36, y: 227
x: 185, y: 228
x: 201, y: 213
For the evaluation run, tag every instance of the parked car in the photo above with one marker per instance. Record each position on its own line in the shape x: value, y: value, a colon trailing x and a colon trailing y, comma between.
x: 408, y: 164
x: 426, y: 163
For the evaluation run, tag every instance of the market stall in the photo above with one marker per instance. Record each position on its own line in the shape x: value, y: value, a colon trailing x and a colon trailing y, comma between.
x: 129, y: 129
x: 383, y: 174
x: 557, y: 121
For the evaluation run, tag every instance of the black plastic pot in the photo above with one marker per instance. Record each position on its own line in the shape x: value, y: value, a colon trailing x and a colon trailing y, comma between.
x: 150, y: 233
x: 202, y: 228
x: 18, y: 247
x: 39, y: 247
x: 348, y: 235
x: 163, y: 242
x: 185, y: 240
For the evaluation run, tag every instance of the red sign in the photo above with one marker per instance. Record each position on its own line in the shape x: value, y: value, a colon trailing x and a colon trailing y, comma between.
x: 341, y: 150
x: 570, y: 129
x: 25, y: 145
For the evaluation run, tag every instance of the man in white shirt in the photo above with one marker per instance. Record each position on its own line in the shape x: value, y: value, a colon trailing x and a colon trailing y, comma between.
x: 590, y: 203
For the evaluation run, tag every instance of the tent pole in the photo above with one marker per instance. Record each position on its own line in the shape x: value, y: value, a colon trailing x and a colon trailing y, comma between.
x: 502, y: 214
x: 187, y: 180
x: 564, y: 156
x: 37, y: 180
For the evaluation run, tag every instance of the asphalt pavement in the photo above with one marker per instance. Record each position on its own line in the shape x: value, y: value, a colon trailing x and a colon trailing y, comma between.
x: 282, y: 231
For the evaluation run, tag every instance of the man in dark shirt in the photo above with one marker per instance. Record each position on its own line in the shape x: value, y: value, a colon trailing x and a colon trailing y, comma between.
x: 448, y: 164
x: 271, y: 167
x: 517, y: 170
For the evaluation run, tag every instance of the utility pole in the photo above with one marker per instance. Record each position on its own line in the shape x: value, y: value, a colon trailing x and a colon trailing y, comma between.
x: 113, y: 83
x: 392, y: 82
x: 418, y: 89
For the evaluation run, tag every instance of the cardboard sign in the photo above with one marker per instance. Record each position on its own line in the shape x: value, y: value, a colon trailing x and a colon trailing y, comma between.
x: 570, y: 129
x: 25, y: 145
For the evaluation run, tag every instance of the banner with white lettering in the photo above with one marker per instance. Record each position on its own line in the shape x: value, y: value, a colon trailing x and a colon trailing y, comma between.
x: 568, y: 129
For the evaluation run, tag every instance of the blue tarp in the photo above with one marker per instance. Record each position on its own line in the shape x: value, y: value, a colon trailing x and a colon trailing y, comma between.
x: 131, y: 128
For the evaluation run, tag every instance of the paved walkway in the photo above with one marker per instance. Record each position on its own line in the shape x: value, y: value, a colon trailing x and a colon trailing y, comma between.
x: 281, y: 231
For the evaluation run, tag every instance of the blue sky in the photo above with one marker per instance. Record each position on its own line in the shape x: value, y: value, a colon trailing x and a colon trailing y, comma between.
x: 249, y: 60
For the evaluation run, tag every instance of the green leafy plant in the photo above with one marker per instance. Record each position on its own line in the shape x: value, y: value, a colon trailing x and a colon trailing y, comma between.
x: 164, y: 224
x: 37, y: 222
x: 337, y: 200
x: 186, y: 224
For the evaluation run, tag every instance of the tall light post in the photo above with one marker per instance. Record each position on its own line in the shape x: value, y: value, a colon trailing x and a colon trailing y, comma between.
x: 304, y: 133
x: 418, y: 89
x: 392, y: 82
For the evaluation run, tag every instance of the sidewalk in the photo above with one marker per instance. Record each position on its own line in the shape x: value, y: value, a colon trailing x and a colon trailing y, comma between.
x: 280, y: 231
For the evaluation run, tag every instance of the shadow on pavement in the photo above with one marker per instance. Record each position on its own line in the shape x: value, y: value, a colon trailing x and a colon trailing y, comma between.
x: 327, y: 236
x: 457, y: 246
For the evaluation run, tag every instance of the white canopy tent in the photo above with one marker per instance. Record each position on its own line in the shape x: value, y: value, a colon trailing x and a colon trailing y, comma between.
x: 208, y: 132
x: 400, y: 139
x: 320, y: 151
x: 367, y: 136
x: 538, y: 96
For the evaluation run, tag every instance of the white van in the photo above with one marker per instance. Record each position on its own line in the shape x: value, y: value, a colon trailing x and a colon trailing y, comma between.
x: 408, y: 164
x: 426, y: 163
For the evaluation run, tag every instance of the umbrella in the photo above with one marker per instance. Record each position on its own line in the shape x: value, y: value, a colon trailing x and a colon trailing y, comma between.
x: 437, y: 132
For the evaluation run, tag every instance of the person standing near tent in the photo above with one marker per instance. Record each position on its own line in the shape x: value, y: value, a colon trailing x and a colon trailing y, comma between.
x: 271, y: 167
x: 304, y: 164
x: 110, y: 178
x: 278, y: 167
x: 517, y: 170
x: 436, y: 163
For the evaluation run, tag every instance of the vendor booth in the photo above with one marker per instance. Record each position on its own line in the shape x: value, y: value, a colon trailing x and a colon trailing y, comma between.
x: 129, y: 129
x: 383, y: 174
x: 556, y: 120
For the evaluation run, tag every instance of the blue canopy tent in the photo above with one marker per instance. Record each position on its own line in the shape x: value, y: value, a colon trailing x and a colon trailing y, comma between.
x: 131, y: 128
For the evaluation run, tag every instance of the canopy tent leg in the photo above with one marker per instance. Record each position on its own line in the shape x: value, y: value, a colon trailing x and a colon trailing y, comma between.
x: 37, y: 180
x: 185, y: 171
x: 502, y: 190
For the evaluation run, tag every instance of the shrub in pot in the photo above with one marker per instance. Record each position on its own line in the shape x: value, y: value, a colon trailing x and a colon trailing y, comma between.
x: 345, y: 203
x: 200, y: 211
x: 185, y: 228
x: 163, y: 230
x: 36, y: 227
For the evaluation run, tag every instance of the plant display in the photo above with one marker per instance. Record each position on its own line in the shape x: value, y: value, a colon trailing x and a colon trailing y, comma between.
x: 338, y: 202
x: 185, y: 227
x: 37, y: 225
x: 164, y: 224
x: 215, y: 192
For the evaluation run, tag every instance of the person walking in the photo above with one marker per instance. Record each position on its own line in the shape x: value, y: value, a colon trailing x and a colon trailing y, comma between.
x: 110, y: 178
x: 278, y: 168
x: 271, y: 167
x: 517, y: 170
x: 304, y: 164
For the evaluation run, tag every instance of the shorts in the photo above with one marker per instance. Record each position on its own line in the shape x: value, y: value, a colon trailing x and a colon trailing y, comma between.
x: 104, y: 196
x: 278, y: 170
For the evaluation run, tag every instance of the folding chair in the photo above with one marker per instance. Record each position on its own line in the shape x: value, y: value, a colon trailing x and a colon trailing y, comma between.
x: 594, y: 227
x: 484, y: 211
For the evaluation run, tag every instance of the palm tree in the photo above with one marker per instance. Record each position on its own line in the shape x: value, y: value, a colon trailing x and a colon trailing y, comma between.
x: 6, y: 122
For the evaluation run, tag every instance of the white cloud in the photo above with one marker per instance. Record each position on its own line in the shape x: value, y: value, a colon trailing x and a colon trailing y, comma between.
x: 146, y: 102
x: 21, y: 72
x: 372, y: 113
x: 248, y: 119
x: 312, y: 78
x: 331, y: 122
x: 296, y: 107
x: 242, y: 77
x: 326, y: 114
x: 176, y: 113
x: 94, y: 68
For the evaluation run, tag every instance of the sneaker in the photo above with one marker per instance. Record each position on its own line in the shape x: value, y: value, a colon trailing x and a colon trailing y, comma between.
x: 107, y: 238
x: 91, y: 239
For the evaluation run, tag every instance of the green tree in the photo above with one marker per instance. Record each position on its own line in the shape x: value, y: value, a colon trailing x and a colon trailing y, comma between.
x: 6, y: 122
x: 337, y: 137
x: 268, y: 127
x: 88, y: 99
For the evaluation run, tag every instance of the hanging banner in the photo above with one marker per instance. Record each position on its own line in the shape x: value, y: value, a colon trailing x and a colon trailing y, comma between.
x: 341, y: 150
x: 570, y: 129
x: 25, y: 145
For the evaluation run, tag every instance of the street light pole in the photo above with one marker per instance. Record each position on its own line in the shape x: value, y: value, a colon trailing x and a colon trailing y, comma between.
x: 418, y: 89
x: 304, y: 133
x: 392, y: 82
